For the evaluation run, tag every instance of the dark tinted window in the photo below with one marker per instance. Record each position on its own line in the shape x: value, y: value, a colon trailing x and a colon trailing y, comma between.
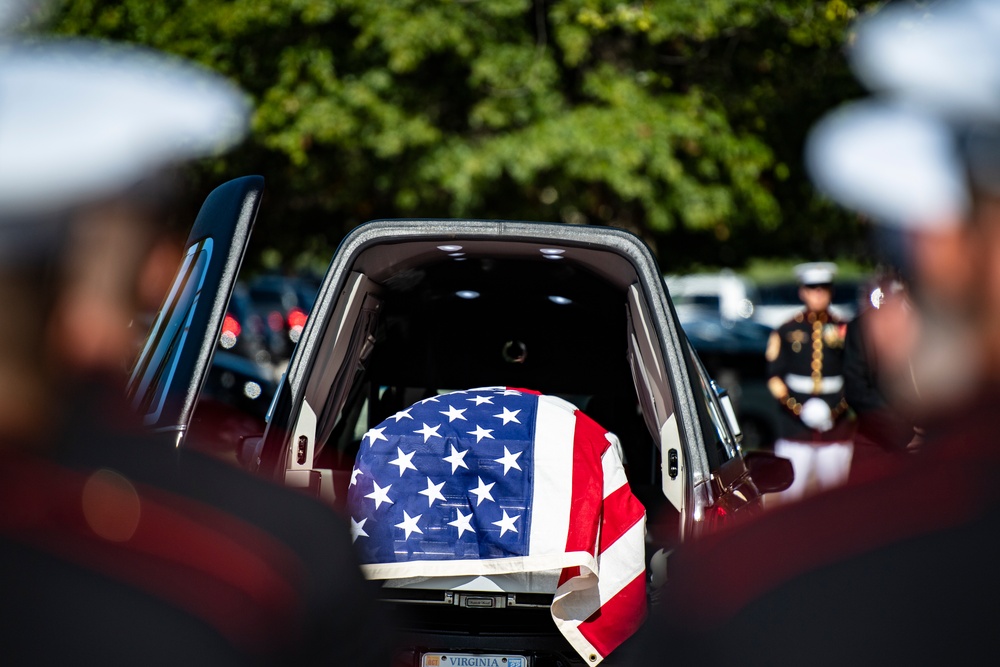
x: 155, y: 366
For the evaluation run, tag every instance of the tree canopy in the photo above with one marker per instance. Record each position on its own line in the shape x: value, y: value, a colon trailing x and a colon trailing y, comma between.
x: 681, y: 120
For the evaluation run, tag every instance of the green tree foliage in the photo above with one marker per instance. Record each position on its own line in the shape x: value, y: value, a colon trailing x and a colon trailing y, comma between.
x: 682, y: 120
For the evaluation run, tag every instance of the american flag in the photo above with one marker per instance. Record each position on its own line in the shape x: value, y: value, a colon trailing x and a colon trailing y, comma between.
x: 497, y: 480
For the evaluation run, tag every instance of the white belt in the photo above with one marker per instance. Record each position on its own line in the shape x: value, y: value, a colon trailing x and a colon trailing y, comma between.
x: 804, y: 384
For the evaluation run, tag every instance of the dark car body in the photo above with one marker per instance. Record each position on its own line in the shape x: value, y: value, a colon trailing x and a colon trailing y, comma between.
x: 233, y: 403
x: 282, y: 303
x: 411, y: 308
x: 733, y: 353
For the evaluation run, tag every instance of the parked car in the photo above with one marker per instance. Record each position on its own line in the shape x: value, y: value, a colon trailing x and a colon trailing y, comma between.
x: 724, y: 294
x: 276, y: 300
x: 411, y: 309
x: 243, y: 330
x: 233, y: 403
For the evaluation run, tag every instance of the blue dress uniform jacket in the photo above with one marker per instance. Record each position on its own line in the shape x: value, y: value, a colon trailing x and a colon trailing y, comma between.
x: 898, y: 570
x: 805, y: 359
x: 118, y: 549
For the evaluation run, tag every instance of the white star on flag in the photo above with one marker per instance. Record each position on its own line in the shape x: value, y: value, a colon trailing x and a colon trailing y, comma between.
x: 457, y: 459
x: 358, y: 529
x: 375, y: 434
x: 508, y: 460
x: 481, y: 399
x: 409, y: 524
x: 481, y: 433
x: 508, y: 416
x: 482, y: 491
x: 433, y: 492
x: 507, y: 523
x: 403, y: 414
x: 380, y: 495
x: 354, y: 476
x: 429, y: 431
x: 452, y: 414
x: 463, y: 522
x: 403, y: 461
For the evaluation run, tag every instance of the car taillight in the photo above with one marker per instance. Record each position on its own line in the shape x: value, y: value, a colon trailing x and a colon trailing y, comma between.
x: 231, y: 325
x: 297, y: 318
x: 230, y: 332
x: 720, y: 516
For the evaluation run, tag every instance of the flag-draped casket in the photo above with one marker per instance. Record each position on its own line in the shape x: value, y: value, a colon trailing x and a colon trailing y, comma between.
x: 494, y: 481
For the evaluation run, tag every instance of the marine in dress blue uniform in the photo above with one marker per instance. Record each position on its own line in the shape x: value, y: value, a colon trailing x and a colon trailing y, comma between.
x: 805, y: 358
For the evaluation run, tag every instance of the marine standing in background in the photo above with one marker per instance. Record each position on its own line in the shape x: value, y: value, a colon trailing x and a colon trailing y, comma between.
x: 805, y: 359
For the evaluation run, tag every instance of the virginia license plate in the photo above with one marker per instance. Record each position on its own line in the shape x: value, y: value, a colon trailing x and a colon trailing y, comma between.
x: 474, y: 660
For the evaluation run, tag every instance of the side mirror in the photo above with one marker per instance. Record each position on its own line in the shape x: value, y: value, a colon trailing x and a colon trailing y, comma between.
x: 769, y: 473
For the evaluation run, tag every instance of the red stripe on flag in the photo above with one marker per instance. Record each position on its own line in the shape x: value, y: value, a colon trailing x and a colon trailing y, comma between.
x: 618, y: 618
x: 622, y: 510
x: 589, y: 444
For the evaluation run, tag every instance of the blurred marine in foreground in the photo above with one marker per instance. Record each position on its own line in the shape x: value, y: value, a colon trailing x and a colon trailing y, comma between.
x: 898, y: 569
x: 116, y: 548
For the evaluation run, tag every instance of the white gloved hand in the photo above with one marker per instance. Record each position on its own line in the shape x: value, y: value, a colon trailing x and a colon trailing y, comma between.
x: 816, y: 414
